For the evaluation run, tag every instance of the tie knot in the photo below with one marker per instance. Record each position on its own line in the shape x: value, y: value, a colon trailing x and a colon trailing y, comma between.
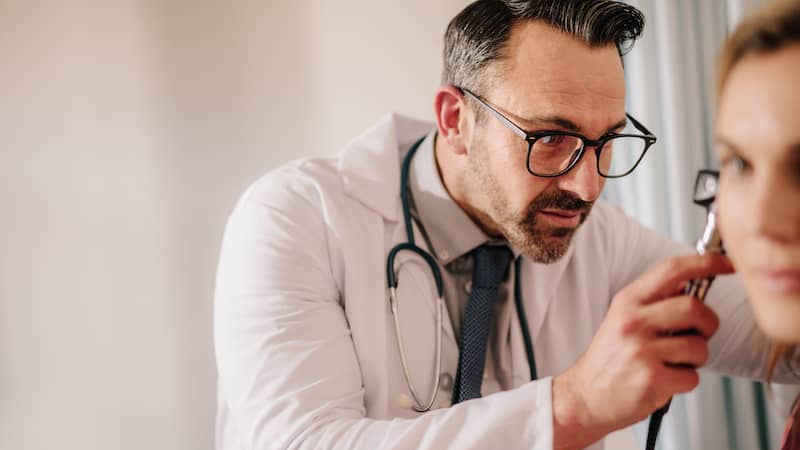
x: 491, y: 263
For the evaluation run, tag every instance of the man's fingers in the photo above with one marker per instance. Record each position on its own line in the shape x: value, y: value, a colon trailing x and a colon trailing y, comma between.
x: 682, y: 313
x: 682, y: 351
x: 664, y: 279
x: 682, y: 380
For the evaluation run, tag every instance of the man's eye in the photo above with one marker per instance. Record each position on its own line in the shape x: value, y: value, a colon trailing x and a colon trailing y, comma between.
x: 553, y: 140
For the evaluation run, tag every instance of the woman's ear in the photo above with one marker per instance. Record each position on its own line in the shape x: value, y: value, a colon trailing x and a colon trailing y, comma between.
x: 451, y: 115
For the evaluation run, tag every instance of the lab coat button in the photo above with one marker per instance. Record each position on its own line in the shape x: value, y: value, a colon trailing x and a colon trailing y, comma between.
x: 403, y: 401
x: 446, y: 381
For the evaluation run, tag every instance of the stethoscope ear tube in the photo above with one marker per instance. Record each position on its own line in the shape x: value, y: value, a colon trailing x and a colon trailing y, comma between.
x: 417, y: 405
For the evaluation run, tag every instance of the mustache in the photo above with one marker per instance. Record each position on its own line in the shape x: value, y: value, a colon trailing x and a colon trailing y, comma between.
x: 560, y: 200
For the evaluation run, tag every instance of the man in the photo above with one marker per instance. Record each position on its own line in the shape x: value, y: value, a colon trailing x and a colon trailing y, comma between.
x: 308, y: 350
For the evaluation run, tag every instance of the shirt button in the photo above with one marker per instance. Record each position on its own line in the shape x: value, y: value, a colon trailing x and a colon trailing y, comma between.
x: 444, y: 254
x: 446, y: 381
x: 468, y: 287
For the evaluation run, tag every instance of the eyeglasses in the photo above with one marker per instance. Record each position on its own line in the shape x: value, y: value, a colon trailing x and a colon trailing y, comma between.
x: 552, y: 153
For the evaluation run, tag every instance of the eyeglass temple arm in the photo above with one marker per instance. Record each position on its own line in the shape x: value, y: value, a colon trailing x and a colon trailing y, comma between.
x: 640, y: 126
x: 514, y: 127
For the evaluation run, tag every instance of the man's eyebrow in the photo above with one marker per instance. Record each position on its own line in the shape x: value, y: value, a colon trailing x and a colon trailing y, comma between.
x: 564, y: 123
x: 618, y: 126
x: 556, y: 122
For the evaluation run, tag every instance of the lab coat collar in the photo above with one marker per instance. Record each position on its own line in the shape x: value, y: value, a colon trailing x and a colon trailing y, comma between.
x: 370, y: 163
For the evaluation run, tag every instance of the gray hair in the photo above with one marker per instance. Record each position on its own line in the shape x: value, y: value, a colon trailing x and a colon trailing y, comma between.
x: 478, y: 35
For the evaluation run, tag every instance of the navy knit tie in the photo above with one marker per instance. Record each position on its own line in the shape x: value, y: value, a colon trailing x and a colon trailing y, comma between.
x: 491, y: 263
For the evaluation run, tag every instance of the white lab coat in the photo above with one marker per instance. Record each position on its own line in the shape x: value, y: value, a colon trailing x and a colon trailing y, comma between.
x: 305, y: 344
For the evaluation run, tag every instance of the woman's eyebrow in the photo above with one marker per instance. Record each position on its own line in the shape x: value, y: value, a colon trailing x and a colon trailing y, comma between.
x: 725, y: 142
x: 793, y: 148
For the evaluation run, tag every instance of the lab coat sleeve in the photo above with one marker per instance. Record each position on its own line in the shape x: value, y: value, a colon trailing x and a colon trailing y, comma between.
x: 288, y: 373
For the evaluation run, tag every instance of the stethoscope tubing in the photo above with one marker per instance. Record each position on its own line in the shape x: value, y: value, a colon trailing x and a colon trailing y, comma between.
x: 392, y: 282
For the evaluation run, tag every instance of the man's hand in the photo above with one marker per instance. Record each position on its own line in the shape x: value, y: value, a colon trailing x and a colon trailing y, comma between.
x: 634, y: 364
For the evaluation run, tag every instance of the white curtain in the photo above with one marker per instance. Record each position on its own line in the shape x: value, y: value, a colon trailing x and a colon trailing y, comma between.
x: 671, y: 88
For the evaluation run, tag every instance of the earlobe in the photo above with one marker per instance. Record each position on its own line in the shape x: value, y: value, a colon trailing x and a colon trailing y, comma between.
x: 450, y: 115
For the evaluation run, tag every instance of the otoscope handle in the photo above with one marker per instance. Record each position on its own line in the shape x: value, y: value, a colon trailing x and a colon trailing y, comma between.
x: 710, y: 241
x: 698, y: 289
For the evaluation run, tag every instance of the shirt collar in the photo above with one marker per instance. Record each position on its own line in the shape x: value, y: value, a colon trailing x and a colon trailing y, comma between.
x: 450, y: 231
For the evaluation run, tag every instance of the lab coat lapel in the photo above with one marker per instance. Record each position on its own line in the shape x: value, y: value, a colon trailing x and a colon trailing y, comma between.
x: 370, y: 169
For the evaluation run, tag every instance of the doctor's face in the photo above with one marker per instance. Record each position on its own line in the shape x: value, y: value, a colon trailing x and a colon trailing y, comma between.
x: 548, y: 81
x: 758, y: 142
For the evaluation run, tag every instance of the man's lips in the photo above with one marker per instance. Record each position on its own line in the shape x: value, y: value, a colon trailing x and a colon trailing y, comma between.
x: 561, y: 218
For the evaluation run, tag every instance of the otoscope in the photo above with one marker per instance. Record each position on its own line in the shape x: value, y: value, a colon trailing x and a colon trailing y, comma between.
x: 705, y: 192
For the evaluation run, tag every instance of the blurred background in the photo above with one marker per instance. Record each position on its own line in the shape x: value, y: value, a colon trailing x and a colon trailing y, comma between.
x: 129, y: 128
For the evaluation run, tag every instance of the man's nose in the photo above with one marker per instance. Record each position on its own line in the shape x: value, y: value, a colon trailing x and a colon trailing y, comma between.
x: 583, y: 180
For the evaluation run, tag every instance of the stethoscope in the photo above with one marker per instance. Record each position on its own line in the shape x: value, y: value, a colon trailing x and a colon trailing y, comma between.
x: 391, y: 279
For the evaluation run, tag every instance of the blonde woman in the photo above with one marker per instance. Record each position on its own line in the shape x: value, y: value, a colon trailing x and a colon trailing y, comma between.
x: 758, y: 142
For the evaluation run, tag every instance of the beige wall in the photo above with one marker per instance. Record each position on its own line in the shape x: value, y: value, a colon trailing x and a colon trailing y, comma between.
x: 127, y: 130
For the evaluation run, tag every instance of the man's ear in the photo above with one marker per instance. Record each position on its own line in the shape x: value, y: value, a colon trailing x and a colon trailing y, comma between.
x: 451, y: 115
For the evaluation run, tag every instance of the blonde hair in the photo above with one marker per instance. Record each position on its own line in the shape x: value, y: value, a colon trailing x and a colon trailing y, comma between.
x: 769, y: 30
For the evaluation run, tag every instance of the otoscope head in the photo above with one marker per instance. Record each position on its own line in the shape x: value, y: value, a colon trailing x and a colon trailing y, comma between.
x: 705, y: 193
x: 705, y: 187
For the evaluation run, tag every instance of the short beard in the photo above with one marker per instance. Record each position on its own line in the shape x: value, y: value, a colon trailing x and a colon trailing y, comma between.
x: 540, y: 244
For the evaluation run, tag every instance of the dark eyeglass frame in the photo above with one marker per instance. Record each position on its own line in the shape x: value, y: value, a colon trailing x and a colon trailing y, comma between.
x: 532, y: 136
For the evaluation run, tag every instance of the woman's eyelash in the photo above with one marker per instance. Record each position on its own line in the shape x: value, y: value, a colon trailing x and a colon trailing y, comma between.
x: 735, y: 163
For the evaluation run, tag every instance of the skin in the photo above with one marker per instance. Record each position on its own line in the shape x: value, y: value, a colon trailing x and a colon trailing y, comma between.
x: 758, y: 142
x: 630, y: 368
